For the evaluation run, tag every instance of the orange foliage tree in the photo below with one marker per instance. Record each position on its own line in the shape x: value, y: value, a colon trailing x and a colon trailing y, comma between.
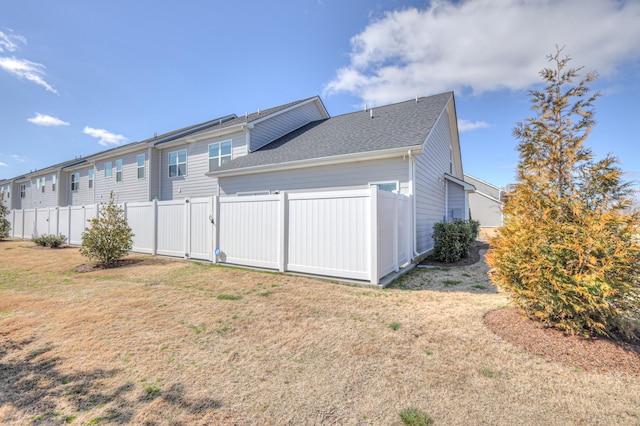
x: 569, y: 251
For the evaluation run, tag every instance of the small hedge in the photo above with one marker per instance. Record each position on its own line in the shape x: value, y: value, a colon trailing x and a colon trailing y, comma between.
x: 453, y: 239
x: 51, y: 241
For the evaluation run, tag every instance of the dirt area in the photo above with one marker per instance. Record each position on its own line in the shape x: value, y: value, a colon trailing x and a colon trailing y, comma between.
x: 165, y: 341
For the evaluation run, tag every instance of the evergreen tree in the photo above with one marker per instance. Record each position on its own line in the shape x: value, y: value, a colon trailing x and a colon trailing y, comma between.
x: 569, y: 251
x: 5, y: 226
x: 109, y: 238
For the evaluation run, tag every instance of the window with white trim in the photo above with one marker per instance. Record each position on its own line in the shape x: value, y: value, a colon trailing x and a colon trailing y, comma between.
x: 178, y: 163
x: 108, y: 169
x: 118, y: 170
x: 75, y: 181
x: 91, y: 176
x: 42, y: 183
x: 54, y: 182
x: 219, y: 154
x: 141, y: 161
x: 23, y: 190
x: 386, y: 186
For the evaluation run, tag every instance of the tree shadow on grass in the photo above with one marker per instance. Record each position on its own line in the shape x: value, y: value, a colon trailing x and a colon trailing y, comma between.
x: 32, y: 388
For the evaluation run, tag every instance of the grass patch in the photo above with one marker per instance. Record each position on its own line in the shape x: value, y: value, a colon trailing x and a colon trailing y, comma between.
x: 449, y: 283
x: 480, y: 286
x: 265, y: 294
x: 70, y: 418
x: 228, y: 297
x: 394, y: 326
x: 487, y: 373
x: 415, y: 417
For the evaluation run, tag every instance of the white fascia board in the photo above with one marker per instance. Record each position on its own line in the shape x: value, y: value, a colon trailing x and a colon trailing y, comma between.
x: 467, y: 186
x: 488, y: 197
x: 79, y: 166
x: 482, y: 181
x: 116, y: 152
x: 323, y: 161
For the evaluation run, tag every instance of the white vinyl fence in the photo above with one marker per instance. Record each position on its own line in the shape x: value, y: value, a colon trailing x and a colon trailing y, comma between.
x: 362, y: 235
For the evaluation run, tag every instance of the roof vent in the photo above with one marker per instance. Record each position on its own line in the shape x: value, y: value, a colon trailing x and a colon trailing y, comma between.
x: 371, y: 113
x: 246, y: 114
x: 416, y: 98
x: 155, y: 135
x: 258, y: 111
x: 365, y: 107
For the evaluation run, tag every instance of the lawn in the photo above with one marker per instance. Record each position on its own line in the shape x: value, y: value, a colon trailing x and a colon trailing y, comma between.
x: 165, y: 341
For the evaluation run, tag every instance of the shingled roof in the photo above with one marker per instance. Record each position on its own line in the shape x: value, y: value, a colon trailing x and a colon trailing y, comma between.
x: 398, y: 125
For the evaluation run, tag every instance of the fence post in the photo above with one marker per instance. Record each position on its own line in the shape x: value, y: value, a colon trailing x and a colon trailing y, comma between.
x: 215, y: 211
x: 373, y: 247
x: 187, y: 233
x: 34, y: 228
x: 396, y: 266
x: 154, y: 238
x: 284, y: 231
x: 69, y: 225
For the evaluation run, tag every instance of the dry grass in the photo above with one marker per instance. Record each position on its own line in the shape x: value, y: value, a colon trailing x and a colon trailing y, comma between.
x: 153, y: 343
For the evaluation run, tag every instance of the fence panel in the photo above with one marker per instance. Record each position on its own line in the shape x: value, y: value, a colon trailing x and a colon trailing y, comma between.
x: 249, y: 230
x: 11, y: 217
x: 29, y: 223
x: 141, y: 219
x: 77, y: 224
x: 53, y: 221
x: 329, y: 234
x: 200, y: 227
x: 63, y: 221
x: 42, y: 223
x: 171, y: 228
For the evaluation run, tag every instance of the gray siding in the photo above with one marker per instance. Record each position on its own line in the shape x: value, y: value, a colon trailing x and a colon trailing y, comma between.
x: 24, y: 203
x: 130, y: 189
x: 6, y: 192
x: 269, y: 130
x: 430, y: 167
x: 83, y: 195
x: 356, y: 175
x: 48, y: 198
x: 486, y: 210
x: 455, y: 201
x: 154, y: 170
x: 484, y: 187
x: 195, y: 183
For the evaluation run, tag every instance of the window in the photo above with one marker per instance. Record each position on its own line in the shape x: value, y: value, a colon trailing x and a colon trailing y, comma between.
x: 386, y: 186
x: 75, y: 181
x: 178, y: 163
x: 219, y: 154
x: 91, y: 178
x: 42, y: 183
x: 140, y: 166
x: 118, y: 170
x: 23, y: 190
x: 107, y: 169
x: 54, y: 182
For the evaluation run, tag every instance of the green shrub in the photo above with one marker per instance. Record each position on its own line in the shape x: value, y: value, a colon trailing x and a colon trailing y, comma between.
x: 415, y: 417
x: 51, y: 241
x: 109, y: 238
x: 452, y: 240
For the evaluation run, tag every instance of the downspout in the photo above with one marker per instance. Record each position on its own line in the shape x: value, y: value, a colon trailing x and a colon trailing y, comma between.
x: 412, y: 175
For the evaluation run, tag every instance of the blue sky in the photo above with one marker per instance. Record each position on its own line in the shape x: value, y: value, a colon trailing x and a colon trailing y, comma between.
x: 77, y: 77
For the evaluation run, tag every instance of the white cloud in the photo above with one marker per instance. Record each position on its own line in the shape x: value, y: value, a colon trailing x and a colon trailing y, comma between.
x: 466, y: 125
x: 3, y: 164
x: 483, y: 46
x: 106, y: 138
x: 19, y: 158
x: 46, y: 120
x: 21, y: 68
x: 10, y: 42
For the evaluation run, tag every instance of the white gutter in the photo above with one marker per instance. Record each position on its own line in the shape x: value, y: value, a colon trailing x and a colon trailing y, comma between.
x: 412, y: 176
x: 322, y: 161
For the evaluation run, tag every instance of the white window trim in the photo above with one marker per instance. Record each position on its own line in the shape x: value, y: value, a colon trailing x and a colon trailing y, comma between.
x: 143, y: 167
x: 91, y: 179
x: 387, y: 182
x: 120, y: 163
x: 219, y: 157
x: 23, y: 190
x: 186, y: 163
x: 54, y: 182
x: 110, y: 168
x: 75, y: 183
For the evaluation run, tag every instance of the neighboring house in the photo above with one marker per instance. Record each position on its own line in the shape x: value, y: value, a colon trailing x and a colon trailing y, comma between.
x: 485, y: 205
x: 411, y: 148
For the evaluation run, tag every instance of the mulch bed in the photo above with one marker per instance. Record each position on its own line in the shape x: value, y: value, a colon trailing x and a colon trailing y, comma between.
x: 595, y: 354
x: 90, y: 267
x: 473, y: 258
